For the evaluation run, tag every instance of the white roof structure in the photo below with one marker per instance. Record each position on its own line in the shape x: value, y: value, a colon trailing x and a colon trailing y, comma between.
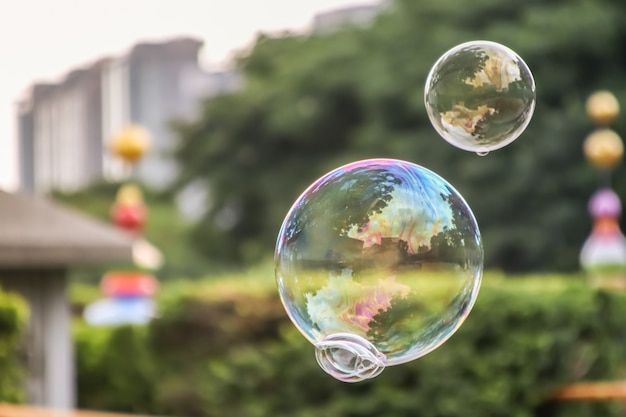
x: 35, y: 232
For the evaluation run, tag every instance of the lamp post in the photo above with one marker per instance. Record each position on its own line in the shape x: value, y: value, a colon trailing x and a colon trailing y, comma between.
x: 603, y: 254
x: 130, y: 291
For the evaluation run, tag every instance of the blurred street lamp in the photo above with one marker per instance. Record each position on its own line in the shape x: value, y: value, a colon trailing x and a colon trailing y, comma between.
x: 603, y: 254
x: 129, y: 292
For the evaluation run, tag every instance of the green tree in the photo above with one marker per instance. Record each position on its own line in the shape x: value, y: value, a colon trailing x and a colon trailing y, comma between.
x: 312, y: 103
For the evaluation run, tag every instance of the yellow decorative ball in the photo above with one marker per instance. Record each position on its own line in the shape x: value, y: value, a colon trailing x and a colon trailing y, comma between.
x: 131, y: 143
x: 602, y: 107
x: 129, y: 195
x: 604, y: 148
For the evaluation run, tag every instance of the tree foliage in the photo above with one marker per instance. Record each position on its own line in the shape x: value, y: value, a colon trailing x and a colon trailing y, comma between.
x: 312, y: 103
x: 13, y: 326
x: 227, y: 348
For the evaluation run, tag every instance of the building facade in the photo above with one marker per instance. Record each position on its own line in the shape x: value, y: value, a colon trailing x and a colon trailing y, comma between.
x: 357, y: 15
x: 64, y: 128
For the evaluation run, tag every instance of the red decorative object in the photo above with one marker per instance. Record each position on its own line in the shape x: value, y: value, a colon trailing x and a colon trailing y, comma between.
x: 129, y: 217
x: 129, y: 284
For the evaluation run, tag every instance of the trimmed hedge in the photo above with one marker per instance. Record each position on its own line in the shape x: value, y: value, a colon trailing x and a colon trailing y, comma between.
x: 13, y: 322
x: 228, y: 350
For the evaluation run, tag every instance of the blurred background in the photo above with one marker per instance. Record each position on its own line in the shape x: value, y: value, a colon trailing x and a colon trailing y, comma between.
x: 236, y: 134
x: 243, y: 104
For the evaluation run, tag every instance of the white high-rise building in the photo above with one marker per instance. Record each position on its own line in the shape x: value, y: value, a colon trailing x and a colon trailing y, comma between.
x: 65, y: 128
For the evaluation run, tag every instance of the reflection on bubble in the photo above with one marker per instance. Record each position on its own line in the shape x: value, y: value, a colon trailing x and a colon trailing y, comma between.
x: 378, y: 263
x: 480, y: 96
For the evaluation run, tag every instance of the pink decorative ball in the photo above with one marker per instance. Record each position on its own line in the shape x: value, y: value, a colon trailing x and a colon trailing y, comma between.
x: 605, y: 203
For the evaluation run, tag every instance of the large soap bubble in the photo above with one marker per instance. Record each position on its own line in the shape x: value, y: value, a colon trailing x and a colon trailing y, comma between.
x: 378, y: 263
x: 480, y: 96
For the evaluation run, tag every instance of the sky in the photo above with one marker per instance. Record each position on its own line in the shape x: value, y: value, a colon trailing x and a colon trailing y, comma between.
x: 41, y: 40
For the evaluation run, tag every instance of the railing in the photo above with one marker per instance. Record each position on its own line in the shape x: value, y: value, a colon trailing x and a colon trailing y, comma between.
x: 13, y: 410
x: 592, y: 391
x: 584, y: 391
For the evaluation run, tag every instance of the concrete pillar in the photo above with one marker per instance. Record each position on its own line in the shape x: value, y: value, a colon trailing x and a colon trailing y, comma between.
x: 50, y: 348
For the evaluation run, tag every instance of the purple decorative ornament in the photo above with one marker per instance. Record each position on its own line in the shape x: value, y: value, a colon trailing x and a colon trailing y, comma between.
x: 605, y: 203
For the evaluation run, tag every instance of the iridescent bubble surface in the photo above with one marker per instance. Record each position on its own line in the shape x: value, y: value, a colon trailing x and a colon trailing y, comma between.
x: 480, y: 96
x: 378, y: 263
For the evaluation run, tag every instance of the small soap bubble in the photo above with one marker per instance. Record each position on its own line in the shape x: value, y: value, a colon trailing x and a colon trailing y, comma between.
x: 480, y: 96
x: 378, y: 263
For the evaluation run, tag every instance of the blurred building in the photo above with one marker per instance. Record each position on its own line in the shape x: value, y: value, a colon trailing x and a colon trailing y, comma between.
x: 361, y: 14
x: 64, y: 128
x: 59, y: 132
